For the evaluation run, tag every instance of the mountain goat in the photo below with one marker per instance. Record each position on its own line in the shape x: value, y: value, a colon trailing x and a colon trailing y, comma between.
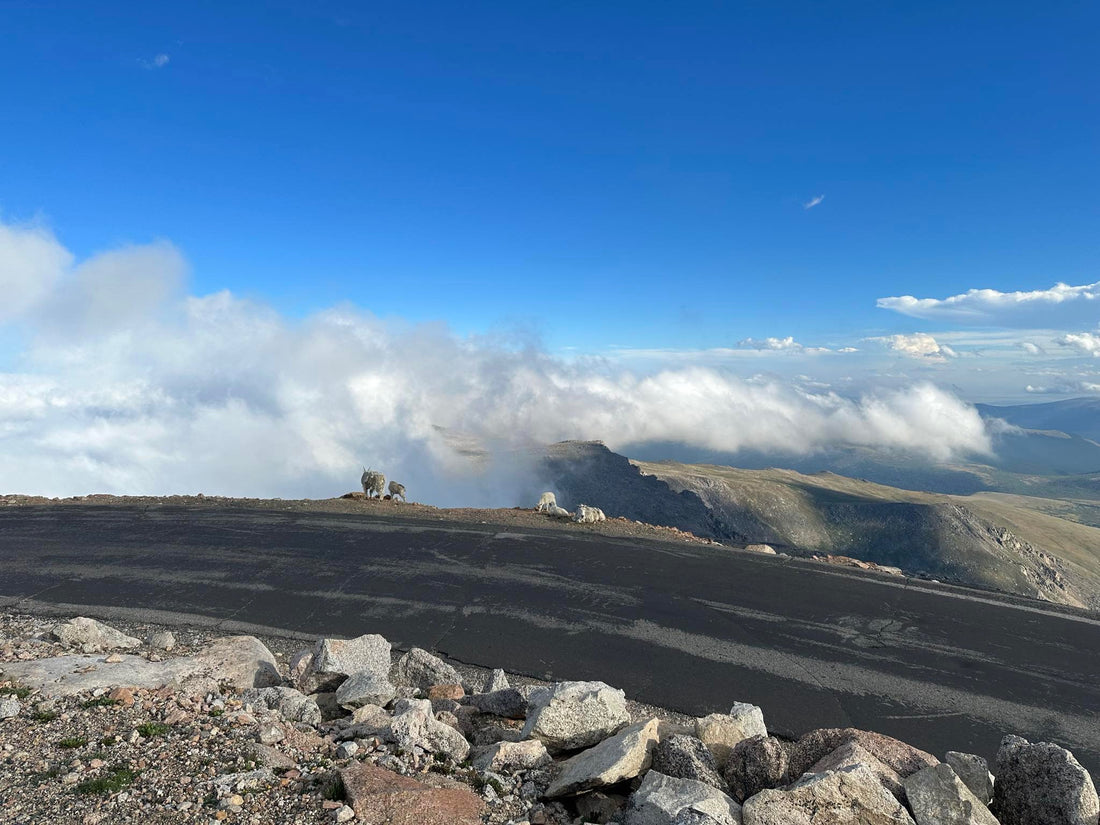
x: 546, y: 501
x: 397, y: 490
x: 373, y: 483
x: 587, y: 514
x: 556, y: 511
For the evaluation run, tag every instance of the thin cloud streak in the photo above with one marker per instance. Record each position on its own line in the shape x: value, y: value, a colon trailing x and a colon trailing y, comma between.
x: 814, y: 201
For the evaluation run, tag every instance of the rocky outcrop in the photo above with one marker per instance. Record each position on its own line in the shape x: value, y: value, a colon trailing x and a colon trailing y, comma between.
x: 1042, y: 784
x: 91, y: 636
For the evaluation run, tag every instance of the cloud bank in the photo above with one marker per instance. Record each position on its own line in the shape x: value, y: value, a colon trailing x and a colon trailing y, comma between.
x: 917, y: 345
x: 122, y: 382
x: 1038, y: 308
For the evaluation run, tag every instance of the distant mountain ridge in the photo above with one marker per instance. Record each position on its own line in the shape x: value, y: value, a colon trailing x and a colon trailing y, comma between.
x: 1074, y: 416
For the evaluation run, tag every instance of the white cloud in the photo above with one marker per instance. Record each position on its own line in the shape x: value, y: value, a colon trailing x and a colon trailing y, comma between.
x: 787, y: 344
x: 179, y: 393
x: 1031, y: 348
x: 1085, y: 342
x: 917, y: 345
x: 157, y: 62
x: 1064, y: 388
x: 31, y: 263
x: 814, y: 201
x: 1040, y: 308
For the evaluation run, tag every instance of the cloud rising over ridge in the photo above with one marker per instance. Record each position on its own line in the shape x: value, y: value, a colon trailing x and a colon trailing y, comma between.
x: 161, y: 392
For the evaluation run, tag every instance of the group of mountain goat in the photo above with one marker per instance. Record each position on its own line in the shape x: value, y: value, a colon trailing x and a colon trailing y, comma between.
x: 374, y: 483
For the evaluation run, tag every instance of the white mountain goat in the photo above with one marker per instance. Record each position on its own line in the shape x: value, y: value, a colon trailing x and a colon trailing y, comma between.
x: 397, y: 490
x: 373, y: 483
x: 556, y: 511
x: 546, y: 501
x: 587, y: 514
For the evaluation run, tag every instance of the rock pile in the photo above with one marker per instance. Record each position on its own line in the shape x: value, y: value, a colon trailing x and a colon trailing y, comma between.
x: 348, y: 731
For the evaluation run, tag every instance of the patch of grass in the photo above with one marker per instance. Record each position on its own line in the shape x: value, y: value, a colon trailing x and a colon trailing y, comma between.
x: 151, y: 729
x: 44, y: 715
x: 107, y: 741
x: 113, y: 781
x: 216, y: 711
x: 99, y: 702
x: 72, y: 742
x: 334, y: 788
x: 18, y: 691
x: 104, y: 755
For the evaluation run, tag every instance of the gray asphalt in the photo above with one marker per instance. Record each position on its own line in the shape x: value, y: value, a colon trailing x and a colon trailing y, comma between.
x: 691, y: 628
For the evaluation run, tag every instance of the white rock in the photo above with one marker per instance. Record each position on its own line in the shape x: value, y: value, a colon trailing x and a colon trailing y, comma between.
x: 334, y: 660
x: 851, y: 754
x: 513, y: 756
x: 853, y: 796
x: 623, y: 756
x: 938, y: 797
x: 91, y: 636
x: 761, y: 548
x: 291, y: 704
x: 420, y: 669
x: 661, y: 799
x: 161, y: 640
x: 345, y: 814
x: 413, y: 725
x: 9, y: 707
x: 572, y: 715
x: 721, y: 732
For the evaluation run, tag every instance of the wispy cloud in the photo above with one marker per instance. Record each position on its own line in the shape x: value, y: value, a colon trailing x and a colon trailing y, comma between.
x: 814, y: 201
x: 1041, y: 308
x: 157, y: 62
x: 1084, y: 342
x: 787, y: 344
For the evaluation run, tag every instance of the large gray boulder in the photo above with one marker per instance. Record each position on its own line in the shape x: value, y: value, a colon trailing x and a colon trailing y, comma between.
x: 721, y: 732
x: 661, y: 799
x: 686, y: 757
x: 616, y: 759
x: 572, y: 715
x: 240, y: 661
x: 365, y: 688
x: 973, y: 770
x: 334, y: 660
x: 291, y: 704
x: 853, y: 796
x: 938, y: 797
x: 91, y: 636
x: 513, y: 756
x: 755, y: 764
x: 1042, y: 784
x: 413, y: 725
x: 420, y: 669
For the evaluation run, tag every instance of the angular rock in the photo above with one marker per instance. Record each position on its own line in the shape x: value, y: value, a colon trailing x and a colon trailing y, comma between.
x: 513, y: 756
x: 853, y: 796
x: 974, y: 772
x: 660, y: 799
x: 240, y: 661
x: 898, y: 756
x: 451, y: 693
x: 509, y: 703
x: 413, y: 725
x: 498, y: 680
x: 620, y: 757
x: 269, y: 757
x: 420, y: 669
x: 161, y: 640
x: 722, y: 731
x: 91, y: 636
x: 686, y: 757
x: 9, y: 707
x: 381, y: 797
x: 938, y: 797
x: 1042, y: 784
x: 599, y: 807
x: 371, y: 716
x: 291, y: 704
x: 364, y: 688
x: 851, y: 754
x: 689, y: 817
x: 334, y: 660
x: 572, y: 715
x: 755, y: 764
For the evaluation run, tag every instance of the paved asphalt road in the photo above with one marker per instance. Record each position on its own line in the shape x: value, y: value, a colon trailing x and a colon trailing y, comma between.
x: 692, y: 628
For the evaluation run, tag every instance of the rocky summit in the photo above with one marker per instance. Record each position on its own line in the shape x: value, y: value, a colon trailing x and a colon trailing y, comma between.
x: 192, y: 728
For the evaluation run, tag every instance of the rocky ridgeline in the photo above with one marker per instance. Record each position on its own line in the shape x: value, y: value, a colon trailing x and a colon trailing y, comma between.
x: 348, y: 731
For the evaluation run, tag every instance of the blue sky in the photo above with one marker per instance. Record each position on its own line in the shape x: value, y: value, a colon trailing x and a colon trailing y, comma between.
x: 491, y: 164
x: 716, y: 196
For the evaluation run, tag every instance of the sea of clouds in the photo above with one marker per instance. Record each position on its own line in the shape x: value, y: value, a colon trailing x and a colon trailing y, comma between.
x: 114, y: 379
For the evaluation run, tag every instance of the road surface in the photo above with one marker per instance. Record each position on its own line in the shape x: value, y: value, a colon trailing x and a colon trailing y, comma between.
x: 689, y: 627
